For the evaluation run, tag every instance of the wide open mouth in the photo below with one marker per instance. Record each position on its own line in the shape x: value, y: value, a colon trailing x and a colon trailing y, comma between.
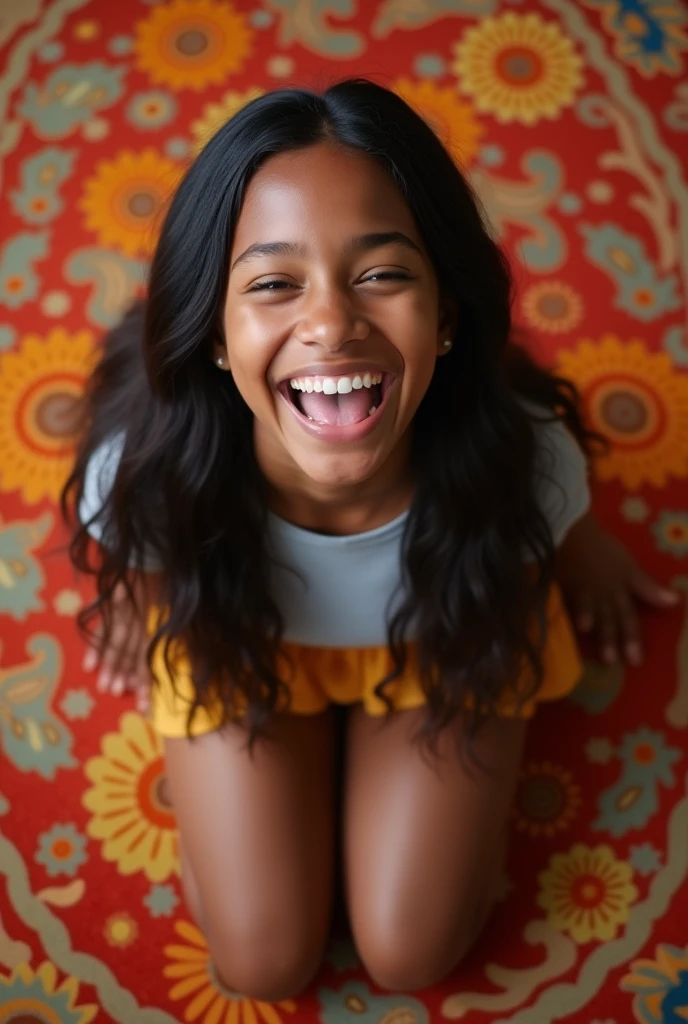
x: 338, y: 401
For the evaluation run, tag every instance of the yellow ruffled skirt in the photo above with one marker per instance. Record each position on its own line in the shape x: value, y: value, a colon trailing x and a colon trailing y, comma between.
x: 324, y: 675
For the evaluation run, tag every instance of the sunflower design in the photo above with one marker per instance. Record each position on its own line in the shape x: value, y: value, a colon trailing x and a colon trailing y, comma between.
x: 41, y: 384
x: 120, y: 930
x: 449, y: 117
x: 124, y: 200
x: 217, y: 114
x: 587, y: 892
x: 190, y: 44
x: 132, y: 812
x: 639, y: 402
x: 552, y: 306
x: 212, y: 1003
x: 26, y: 995
x: 660, y: 986
x: 518, y: 67
x: 547, y: 800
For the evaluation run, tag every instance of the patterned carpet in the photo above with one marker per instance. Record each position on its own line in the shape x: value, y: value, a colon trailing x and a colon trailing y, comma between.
x: 572, y: 119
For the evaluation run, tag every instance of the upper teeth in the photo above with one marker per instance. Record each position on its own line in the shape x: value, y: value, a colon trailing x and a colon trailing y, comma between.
x: 338, y: 385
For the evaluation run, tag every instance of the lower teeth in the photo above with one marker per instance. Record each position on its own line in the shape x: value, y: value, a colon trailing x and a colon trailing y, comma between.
x: 372, y: 409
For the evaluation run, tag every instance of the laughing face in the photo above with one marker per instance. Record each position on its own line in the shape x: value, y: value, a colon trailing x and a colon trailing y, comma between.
x: 333, y: 321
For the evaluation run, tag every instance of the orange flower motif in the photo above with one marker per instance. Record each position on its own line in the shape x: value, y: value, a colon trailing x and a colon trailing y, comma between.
x: 639, y: 402
x: 450, y: 118
x: 41, y: 384
x: 125, y: 199
x: 552, y: 306
x: 191, y: 967
x: 190, y: 44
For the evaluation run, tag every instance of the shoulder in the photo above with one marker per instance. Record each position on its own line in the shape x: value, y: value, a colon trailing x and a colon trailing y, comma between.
x: 560, y: 472
x: 101, y: 470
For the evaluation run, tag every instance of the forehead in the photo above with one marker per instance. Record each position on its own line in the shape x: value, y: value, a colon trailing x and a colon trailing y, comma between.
x: 324, y: 189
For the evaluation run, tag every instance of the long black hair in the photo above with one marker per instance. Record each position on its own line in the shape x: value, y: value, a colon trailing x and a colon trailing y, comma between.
x: 188, y: 486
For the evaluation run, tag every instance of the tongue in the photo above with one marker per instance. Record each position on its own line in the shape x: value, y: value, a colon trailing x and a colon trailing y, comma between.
x: 339, y: 410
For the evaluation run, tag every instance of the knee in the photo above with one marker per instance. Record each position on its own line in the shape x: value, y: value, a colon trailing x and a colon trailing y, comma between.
x: 266, y: 966
x: 397, y: 968
x: 415, y: 957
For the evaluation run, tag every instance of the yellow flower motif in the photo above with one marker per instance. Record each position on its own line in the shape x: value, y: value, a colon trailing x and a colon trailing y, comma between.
x: 28, y: 995
x: 212, y: 1002
x: 639, y: 402
x: 518, y: 67
x: 552, y: 306
x: 449, y: 117
x: 120, y: 930
x: 217, y: 114
x: 126, y: 197
x: 190, y: 44
x: 547, y: 800
x: 587, y: 892
x: 131, y: 809
x: 41, y: 384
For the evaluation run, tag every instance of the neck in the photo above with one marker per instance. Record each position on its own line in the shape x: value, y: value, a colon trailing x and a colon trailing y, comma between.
x: 336, y: 508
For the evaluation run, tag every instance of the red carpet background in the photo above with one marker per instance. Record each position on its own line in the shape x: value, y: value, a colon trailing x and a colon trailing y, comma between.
x: 572, y: 120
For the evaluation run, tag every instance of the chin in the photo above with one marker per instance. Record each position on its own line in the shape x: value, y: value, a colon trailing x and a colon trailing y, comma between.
x: 339, y: 471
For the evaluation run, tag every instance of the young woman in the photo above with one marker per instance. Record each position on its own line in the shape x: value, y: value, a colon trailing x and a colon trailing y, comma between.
x: 320, y: 475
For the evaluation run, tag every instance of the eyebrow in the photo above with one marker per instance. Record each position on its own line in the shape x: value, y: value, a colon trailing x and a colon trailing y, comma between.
x: 360, y: 243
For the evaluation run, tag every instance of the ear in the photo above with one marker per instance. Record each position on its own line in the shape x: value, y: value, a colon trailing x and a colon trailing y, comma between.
x: 447, y: 323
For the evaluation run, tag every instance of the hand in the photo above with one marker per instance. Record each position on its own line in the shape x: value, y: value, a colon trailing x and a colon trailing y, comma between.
x: 123, y: 665
x: 602, y: 582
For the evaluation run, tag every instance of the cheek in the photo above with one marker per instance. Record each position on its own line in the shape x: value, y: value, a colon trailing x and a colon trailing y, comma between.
x: 416, y: 340
x: 250, y: 349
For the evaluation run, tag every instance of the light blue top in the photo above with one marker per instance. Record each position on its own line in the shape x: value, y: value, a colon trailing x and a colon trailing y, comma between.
x: 341, y: 589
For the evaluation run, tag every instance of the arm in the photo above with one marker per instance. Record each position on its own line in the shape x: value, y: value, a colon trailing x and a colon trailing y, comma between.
x: 600, y: 578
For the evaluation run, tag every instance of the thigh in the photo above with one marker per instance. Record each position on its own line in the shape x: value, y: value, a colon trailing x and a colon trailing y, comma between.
x: 424, y: 842
x: 256, y: 832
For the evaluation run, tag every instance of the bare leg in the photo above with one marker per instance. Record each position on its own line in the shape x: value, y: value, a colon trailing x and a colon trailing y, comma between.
x: 424, y: 844
x: 257, y: 841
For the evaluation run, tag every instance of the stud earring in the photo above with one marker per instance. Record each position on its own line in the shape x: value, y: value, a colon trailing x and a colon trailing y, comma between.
x: 447, y: 344
x: 220, y: 360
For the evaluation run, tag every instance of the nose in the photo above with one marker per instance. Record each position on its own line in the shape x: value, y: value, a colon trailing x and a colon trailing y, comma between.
x: 331, y: 320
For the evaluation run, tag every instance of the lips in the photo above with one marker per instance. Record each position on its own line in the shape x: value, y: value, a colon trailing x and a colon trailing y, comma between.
x: 337, y: 406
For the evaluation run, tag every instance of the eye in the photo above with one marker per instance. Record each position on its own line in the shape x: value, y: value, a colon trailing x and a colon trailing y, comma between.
x: 386, y: 275
x: 270, y: 286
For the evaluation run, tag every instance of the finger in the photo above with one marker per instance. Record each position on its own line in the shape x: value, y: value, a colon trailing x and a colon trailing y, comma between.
x: 118, y: 686
x: 630, y: 628
x: 111, y: 679
x: 651, y: 591
x: 90, y: 660
x: 143, y: 698
x: 584, y: 614
x: 607, y: 633
x: 104, y: 680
